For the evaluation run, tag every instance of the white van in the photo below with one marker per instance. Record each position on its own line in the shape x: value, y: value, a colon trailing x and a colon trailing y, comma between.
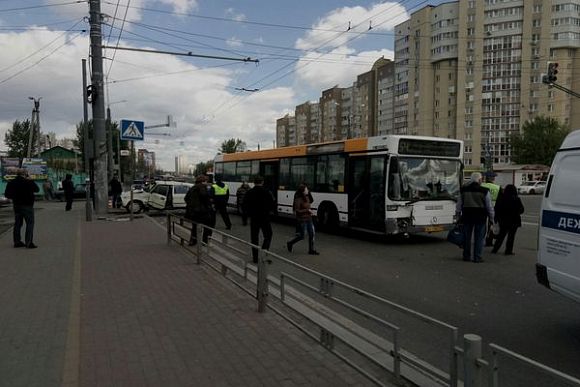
x: 558, y: 266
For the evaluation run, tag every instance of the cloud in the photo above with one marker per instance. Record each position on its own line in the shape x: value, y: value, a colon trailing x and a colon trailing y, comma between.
x: 201, y: 100
x: 231, y: 12
x: 234, y: 42
x: 339, y: 67
x: 383, y: 17
x: 181, y: 6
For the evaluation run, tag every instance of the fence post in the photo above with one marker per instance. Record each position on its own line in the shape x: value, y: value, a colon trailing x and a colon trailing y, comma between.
x: 168, y: 228
x: 181, y: 224
x: 471, y: 352
x: 262, y: 286
x: 198, y: 235
x: 453, y: 363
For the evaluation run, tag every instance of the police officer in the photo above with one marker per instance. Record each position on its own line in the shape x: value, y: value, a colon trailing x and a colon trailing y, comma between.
x: 494, y: 191
x: 221, y: 195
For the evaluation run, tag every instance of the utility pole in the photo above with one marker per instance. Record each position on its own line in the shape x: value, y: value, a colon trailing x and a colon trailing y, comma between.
x: 34, y: 126
x: 86, y: 147
x: 98, y: 102
x: 110, y: 169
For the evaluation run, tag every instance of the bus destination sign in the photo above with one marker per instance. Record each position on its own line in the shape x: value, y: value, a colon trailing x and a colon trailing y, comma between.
x: 409, y: 146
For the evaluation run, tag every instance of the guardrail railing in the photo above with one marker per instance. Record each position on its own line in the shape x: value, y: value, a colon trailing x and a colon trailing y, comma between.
x: 228, y: 254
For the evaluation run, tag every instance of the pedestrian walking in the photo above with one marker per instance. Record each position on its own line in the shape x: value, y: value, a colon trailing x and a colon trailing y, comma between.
x: 240, y: 195
x: 221, y: 195
x: 199, y: 210
x: 474, y: 207
x: 302, y: 201
x: 47, y: 189
x: 69, y: 189
x: 116, y: 191
x: 258, y: 203
x: 21, y: 191
x: 508, y: 211
x: 494, y: 190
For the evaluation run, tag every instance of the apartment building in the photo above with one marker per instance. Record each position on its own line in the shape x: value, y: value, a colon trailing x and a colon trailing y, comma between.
x: 286, y: 131
x: 473, y: 70
x: 361, y: 110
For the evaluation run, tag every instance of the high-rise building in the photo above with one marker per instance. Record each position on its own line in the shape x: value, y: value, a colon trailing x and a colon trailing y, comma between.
x: 473, y: 70
x: 286, y: 131
x: 306, y: 116
x: 331, y: 114
x: 147, y: 160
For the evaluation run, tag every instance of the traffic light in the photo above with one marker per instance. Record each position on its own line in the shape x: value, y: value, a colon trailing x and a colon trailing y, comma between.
x: 552, y: 72
x: 91, y: 93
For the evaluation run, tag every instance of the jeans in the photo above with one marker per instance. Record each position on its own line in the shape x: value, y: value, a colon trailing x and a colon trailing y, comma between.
x: 23, y: 214
x: 478, y: 231
x: 255, y: 226
x: 301, y: 229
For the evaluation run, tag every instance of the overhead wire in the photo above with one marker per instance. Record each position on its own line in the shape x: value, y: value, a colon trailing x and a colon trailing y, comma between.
x: 118, y: 39
x: 42, y: 6
x: 68, y: 40
x: 19, y: 61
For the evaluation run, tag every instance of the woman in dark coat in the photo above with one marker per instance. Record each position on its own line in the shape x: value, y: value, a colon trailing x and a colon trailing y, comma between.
x: 508, y: 211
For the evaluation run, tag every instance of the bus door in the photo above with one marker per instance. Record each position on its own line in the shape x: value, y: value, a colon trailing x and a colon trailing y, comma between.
x: 269, y: 171
x: 366, y: 192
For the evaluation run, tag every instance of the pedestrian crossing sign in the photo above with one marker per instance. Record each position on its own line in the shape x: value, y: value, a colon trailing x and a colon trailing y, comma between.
x: 132, y: 130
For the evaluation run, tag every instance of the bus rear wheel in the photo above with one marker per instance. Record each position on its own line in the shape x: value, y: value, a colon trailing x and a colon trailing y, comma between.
x: 327, y: 217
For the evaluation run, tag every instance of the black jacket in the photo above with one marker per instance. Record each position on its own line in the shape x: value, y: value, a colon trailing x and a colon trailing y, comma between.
x: 198, y: 203
x: 258, y: 203
x: 68, y: 187
x: 508, y: 211
x: 21, y: 191
x: 474, y: 209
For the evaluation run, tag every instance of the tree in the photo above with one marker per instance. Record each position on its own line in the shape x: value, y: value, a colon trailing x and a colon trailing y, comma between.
x: 538, y: 142
x: 80, y: 140
x: 233, y: 145
x: 201, y: 167
x: 17, y: 139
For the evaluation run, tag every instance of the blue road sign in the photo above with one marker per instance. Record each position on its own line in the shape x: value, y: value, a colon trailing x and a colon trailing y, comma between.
x: 132, y: 130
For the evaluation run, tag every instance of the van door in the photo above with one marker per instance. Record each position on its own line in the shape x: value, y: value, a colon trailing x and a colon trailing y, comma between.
x: 158, y: 197
x: 559, y: 237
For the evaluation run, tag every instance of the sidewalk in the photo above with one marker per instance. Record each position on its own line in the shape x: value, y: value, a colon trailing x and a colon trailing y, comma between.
x: 109, y: 303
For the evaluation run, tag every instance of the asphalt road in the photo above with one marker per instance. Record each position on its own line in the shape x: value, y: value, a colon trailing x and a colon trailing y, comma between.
x: 499, y: 299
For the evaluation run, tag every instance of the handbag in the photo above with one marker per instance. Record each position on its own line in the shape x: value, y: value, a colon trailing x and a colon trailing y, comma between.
x: 456, y: 236
x: 495, y: 229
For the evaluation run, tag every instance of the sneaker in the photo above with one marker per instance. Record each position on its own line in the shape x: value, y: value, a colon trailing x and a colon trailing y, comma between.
x: 289, y: 246
x: 313, y: 252
x: 31, y: 246
x: 19, y: 244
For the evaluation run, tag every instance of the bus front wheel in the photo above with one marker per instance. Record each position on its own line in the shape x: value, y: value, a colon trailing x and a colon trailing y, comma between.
x: 327, y: 217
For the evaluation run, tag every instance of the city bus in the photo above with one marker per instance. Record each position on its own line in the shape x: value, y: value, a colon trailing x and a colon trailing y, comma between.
x: 391, y: 184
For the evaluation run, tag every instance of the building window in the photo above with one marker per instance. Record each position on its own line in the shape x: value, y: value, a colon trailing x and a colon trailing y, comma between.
x: 550, y: 107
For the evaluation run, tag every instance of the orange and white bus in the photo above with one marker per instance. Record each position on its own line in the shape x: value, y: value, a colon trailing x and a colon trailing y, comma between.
x: 386, y: 184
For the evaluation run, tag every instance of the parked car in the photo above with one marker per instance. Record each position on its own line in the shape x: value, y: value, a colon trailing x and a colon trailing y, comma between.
x: 162, y: 195
x: 79, y: 192
x: 4, y: 201
x: 532, y: 187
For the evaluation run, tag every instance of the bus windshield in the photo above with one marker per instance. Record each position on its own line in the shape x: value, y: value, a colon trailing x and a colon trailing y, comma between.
x: 421, y: 178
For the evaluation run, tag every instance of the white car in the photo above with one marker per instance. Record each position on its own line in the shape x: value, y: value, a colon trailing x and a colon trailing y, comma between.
x: 162, y: 195
x: 532, y: 187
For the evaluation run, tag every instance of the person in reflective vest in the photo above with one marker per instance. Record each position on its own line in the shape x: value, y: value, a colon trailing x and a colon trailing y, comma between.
x: 494, y: 191
x: 221, y: 195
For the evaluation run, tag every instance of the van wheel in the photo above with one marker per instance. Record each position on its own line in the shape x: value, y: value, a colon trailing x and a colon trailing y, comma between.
x: 137, y: 207
x: 327, y: 217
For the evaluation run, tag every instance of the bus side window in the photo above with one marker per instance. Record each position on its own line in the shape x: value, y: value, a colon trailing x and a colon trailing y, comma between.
x: 394, y: 179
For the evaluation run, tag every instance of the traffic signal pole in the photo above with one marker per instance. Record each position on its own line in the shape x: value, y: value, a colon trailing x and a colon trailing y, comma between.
x: 551, y: 77
x: 98, y: 103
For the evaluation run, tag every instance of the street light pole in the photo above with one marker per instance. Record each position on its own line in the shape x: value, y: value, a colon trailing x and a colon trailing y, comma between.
x: 34, y: 126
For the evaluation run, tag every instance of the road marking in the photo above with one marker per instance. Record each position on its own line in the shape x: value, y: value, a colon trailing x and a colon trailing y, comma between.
x: 70, y: 372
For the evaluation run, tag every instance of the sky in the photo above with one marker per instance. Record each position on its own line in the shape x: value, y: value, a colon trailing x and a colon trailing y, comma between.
x: 303, y: 47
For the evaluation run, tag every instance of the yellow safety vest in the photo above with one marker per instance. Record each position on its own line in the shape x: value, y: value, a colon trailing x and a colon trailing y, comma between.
x: 493, y: 190
x: 219, y: 191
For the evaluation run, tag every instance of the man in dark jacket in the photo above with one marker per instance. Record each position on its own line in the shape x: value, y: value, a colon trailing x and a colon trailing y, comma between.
x: 21, y: 191
x: 69, y: 189
x: 258, y: 204
x: 221, y: 195
x: 198, y: 209
x: 116, y: 191
x: 474, y: 206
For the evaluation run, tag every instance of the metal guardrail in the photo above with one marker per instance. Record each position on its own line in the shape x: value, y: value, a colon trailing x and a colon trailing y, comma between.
x: 477, y: 372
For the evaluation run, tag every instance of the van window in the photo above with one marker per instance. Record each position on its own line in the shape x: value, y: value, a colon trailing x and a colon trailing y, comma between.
x: 566, y: 184
x: 180, y: 189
